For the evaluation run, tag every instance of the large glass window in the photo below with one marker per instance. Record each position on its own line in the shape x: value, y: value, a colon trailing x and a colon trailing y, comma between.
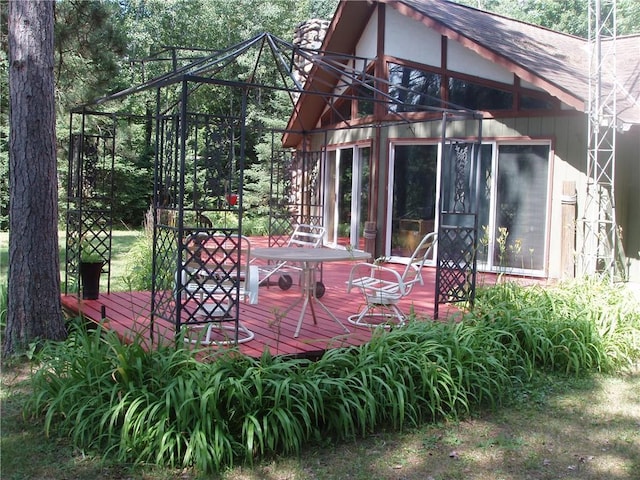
x: 413, y: 88
x: 347, y: 195
x: 513, y: 205
x: 331, y: 197
x: 512, y: 209
x: 410, y: 86
x: 478, y: 97
x: 485, y: 202
x: 529, y: 102
x: 365, y: 101
x: 521, y: 205
x: 344, y: 194
x: 414, y: 196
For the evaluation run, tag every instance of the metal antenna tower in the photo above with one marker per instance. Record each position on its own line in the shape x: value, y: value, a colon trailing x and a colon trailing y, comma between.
x: 601, y: 250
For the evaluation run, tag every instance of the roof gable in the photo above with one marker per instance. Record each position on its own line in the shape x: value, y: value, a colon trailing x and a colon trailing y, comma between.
x: 552, y: 61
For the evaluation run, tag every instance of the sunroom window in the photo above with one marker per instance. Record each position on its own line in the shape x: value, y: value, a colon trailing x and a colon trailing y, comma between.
x: 478, y: 97
x: 529, y: 102
x: 365, y: 100
x: 513, y: 204
x: 412, y: 87
x: 512, y: 208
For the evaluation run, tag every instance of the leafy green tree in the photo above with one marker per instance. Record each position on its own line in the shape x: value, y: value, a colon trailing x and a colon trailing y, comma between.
x: 213, y: 25
x: 90, y: 42
x: 97, y: 41
x: 628, y: 17
x: 569, y: 16
x: 90, y: 45
x: 87, y: 51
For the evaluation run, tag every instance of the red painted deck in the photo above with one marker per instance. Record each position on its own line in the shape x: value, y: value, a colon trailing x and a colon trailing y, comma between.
x: 128, y: 314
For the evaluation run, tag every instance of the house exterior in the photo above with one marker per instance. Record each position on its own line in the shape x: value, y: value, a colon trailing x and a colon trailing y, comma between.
x: 531, y: 86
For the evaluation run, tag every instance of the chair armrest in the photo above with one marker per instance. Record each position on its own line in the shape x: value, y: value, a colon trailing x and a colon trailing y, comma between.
x: 397, y: 260
x: 370, y: 277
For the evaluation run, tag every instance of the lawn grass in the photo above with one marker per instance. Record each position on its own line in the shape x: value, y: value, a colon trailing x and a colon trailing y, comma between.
x: 123, y: 240
x: 554, y: 427
x: 4, y: 254
x: 557, y: 427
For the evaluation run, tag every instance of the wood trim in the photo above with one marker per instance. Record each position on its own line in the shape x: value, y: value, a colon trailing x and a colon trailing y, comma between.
x: 444, y: 90
x: 516, y: 88
x: 417, y: 117
x: 491, y: 55
x: 516, y: 97
x: 379, y: 111
x: 381, y: 70
x: 502, y: 140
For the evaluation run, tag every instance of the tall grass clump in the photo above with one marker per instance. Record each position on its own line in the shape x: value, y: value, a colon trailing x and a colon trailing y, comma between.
x: 166, y: 407
x: 176, y: 407
x: 139, y: 265
x: 586, y: 324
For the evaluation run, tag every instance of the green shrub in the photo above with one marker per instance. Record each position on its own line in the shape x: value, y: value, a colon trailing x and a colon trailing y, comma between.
x: 176, y: 407
x: 139, y: 266
x: 255, y: 226
x: 577, y: 326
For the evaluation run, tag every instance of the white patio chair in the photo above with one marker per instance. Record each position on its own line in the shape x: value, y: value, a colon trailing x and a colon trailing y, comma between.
x: 303, y: 236
x: 215, y: 265
x: 383, y: 287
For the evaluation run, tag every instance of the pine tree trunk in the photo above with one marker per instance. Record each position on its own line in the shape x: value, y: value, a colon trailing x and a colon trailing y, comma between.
x: 34, y: 307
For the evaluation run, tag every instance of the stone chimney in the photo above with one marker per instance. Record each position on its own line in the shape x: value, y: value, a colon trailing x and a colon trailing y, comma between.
x: 308, y: 34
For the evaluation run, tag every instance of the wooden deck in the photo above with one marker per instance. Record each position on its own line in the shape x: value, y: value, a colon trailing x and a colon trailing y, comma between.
x: 128, y: 314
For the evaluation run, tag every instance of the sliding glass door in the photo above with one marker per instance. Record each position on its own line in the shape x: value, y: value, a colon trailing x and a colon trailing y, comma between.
x: 513, y: 232
x: 413, y: 202
x: 512, y: 211
x: 347, y: 195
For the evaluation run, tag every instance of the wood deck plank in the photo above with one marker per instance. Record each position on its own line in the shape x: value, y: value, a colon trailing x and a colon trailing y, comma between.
x: 128, y: 313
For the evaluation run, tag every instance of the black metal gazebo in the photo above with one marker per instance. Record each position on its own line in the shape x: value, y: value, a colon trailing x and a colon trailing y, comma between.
x: 200, y: 112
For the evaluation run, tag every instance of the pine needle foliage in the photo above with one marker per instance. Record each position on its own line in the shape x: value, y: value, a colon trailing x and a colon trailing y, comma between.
x: 169, y: 407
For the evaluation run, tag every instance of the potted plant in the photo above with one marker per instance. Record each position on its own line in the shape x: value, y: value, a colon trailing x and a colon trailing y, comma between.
x: 91, y: 263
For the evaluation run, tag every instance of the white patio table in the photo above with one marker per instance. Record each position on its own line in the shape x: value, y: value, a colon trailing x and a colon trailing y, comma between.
x: 309, y: 259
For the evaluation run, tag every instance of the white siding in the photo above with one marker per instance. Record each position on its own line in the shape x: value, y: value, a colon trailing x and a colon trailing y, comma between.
x: 367, y: 44
x: 463, y: 60
x: 409, y: 39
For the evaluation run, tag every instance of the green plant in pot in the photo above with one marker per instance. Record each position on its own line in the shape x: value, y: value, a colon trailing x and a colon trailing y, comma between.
x: 91, y: 263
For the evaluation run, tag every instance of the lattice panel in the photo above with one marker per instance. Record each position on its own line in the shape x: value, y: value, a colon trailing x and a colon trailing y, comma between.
x: 296, y: 193
x: 455, y: 282
x: 89, y: 197
x: 183, y: 293
x: 458, y: 224
x: 165, y: 261
x: 198, y: 205
x: 280, y: 229
x: 204, y: 287
x: 167, y: 166
x: 209, y: 280
x: 91, y: 168
x: 216, y: 160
